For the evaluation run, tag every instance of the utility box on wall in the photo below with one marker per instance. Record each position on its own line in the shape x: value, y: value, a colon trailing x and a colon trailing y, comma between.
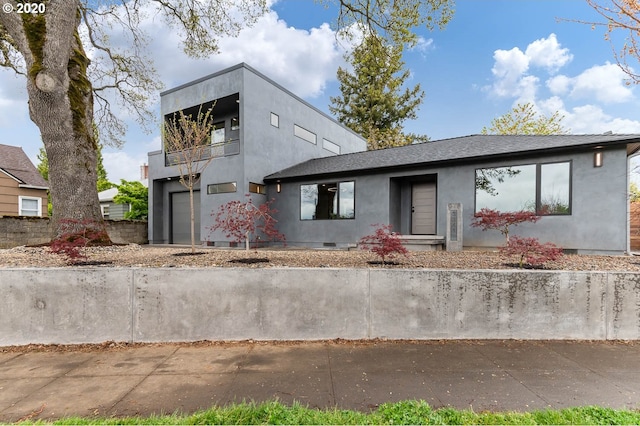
x: 454, y: 227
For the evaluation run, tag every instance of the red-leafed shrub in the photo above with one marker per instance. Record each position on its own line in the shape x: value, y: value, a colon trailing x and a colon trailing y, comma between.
x: 75, y: 236
x: 494, y: 219
x: 239, y: 220
x: 383, y: 242
x: 531, y: 250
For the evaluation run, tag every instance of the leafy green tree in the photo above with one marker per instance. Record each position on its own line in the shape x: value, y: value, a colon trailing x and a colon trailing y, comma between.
x: 62, y: 83
x: 136, y: 195
x: 374, y: 101
x: 43, y: 165
x: 521, y: 120
x: 524, y: 120
x: 103, y: 182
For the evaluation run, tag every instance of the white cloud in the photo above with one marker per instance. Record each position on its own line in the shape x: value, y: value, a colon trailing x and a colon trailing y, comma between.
x: 13, y: 99
x: 512, y: 68
x: 604, y: 82
x: 301, y: 60
x: 517, y: 76
x: 123, y: 165
x: 559, y: 84
x: 509, y: 67
x: 547, y: 53
x: 423, y: 45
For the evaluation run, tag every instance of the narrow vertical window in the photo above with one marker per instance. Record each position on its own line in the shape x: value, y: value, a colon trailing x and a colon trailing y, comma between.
x: 218, y: 134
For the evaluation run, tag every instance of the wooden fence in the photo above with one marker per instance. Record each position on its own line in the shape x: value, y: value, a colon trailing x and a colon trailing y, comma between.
x: 635, y: 226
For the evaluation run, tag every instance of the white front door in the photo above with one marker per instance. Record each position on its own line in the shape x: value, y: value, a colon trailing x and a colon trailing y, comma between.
x: 423, y: 208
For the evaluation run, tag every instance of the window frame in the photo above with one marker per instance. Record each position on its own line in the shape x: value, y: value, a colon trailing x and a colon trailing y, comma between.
x: 305, y: 134
x: 218, y: 185
x: 38, y: 201
x: 259, y: 188
x: 538, y: 185
x: 275, y: 123
x: 338, y: 203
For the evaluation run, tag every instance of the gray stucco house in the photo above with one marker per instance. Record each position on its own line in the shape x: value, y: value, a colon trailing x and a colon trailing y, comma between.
x: 260, y: 128
x: 329, y: 190
x: 577, y: 183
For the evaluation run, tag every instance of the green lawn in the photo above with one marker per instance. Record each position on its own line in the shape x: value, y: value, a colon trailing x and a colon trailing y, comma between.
x: 406, y: 412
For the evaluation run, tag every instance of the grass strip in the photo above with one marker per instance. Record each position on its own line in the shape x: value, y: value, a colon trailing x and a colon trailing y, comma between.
x: 399, y: 413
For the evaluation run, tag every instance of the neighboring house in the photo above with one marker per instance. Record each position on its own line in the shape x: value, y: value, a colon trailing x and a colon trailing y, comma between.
x: 578, y: 183
x: 329, y: 190
x: 111, y: 210
x: 115, y: 211
x: 23, y: 191
x: 260, y: 128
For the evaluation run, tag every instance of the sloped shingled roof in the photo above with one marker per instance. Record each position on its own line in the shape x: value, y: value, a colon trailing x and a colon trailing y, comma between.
x: 466, y: 148
x: 15, y: 162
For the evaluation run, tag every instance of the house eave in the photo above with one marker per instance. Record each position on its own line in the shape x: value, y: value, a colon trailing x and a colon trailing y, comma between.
x: 45, y: 188
x: 452, y: 162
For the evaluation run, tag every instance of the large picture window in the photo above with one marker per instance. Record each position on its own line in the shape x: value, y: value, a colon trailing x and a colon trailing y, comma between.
x: 327, y: 201
x: 541, y: 188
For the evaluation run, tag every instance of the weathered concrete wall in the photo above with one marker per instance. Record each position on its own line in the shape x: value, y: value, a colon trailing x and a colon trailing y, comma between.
x: 24, y: 230
x: 152, y: 305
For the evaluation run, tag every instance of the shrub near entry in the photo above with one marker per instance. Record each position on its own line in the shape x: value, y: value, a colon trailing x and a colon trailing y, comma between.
x: 383, y: 242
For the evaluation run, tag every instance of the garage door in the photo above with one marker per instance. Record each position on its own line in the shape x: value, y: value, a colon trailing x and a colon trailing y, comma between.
x: 181, y: 217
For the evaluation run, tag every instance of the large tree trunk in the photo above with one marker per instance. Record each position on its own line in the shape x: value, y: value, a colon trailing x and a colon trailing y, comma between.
x: 61, y: 105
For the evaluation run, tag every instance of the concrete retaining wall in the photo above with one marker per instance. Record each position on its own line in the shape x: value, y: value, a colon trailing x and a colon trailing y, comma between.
x: 62, y: 305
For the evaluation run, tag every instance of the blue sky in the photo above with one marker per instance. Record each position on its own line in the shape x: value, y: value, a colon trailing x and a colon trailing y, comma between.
x: 492, y: 55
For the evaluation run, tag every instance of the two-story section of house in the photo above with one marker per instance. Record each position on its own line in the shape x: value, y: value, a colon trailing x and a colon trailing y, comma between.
x: 259, y: 128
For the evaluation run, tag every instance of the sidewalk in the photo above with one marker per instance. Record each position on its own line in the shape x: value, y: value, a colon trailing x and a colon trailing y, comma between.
x: 482, y: 375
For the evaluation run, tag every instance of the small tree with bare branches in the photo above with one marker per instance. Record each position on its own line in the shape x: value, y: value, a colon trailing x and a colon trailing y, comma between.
x: 188, y: 139
x: 620, y: 16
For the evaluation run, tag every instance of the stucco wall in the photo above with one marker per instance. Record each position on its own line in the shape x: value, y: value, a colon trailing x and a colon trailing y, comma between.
x: 264, y: 149
x: 597, y: 223
x: 63, y: 305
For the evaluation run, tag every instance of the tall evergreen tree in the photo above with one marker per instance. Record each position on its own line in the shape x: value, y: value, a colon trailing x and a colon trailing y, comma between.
x: 374, y: 101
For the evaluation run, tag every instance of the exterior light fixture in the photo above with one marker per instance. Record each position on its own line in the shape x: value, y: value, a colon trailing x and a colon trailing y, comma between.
x: 278, y: 187
x: 597, y: 158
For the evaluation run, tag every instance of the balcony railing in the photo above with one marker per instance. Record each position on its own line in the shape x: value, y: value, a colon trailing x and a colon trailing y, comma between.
x: 222, y: 149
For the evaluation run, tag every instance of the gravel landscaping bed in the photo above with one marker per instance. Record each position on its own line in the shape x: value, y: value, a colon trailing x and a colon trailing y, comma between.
x: 134, y: 255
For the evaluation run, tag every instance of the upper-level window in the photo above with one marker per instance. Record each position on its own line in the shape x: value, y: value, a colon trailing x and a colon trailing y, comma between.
x: 327, y: 201
x: 235, y: 123
x: 218, y: 133
x: 275, y: 120
x: 330, y: 146
x: 541, y: 188
x: 303, y: 133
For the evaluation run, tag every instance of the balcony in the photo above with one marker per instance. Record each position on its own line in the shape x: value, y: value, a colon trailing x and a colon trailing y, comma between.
x: 223, y: 149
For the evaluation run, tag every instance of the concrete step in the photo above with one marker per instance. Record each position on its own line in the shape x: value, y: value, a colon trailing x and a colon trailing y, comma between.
x: 423, y: 242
